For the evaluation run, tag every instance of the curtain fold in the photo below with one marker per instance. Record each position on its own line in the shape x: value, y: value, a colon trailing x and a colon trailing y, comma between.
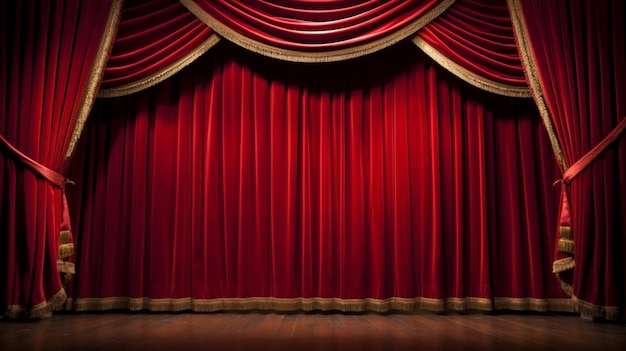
x: 155, y: 40
x: 316, y: 31
x: 47, y: 60
x: 475, y: 41
x: 244, y: 183
x: 575, y: 60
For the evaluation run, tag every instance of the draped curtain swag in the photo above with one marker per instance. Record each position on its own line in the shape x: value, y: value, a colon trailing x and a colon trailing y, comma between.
x: 312, y: 31
x: 151, y: 46
x: 378, y: 199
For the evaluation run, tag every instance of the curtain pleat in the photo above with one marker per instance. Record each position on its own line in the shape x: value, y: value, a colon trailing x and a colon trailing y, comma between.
x: 245, y: 182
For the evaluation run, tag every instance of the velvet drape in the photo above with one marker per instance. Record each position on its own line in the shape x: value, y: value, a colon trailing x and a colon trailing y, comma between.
x: 312, y: 177
x: 47, y: 56
x: 316, y: 31
x: 576, y: 53
x: 155, y: 39
x: 244, y: 182
x: 475, y: 41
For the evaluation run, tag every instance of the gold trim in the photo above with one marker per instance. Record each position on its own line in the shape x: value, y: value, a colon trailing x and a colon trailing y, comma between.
x: 566, y: 246
x: 326, y: 56
x: 65, y: 237
x: 321, y: 304
x: 95, y: 75
x: 565, y: 232
x: 563, y: 265
x: 468, y: 76
x: 589, y: 310
x: 161, y: 75
x: 66, y: 267
x: 528, y: 63
x: 532, y: 304
x: 40, y: 310
x: 66, y: 250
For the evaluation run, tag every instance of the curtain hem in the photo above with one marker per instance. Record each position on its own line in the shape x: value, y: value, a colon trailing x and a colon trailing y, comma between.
x: 40, y: 310
x: 589, y: 310
x: 322, y: 304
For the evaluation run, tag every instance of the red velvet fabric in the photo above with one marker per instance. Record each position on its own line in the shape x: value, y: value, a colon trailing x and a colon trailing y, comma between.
x: 315, y: 25
x: 579, y: 52
x: 46, y: 53
x: 478, y: 36
x: 245, y: 176
x: 151, y: 35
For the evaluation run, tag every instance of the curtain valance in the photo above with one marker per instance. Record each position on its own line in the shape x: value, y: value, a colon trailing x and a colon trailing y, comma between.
x: 475, y: 41
x: 313, y: 31
x: 154, y: 40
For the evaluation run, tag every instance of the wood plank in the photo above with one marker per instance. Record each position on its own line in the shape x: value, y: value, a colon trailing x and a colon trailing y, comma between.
x: 311, y: 332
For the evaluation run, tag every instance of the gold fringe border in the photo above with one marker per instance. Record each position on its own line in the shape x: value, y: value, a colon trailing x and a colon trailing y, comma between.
x: 560, y: 266
x: 66, y: 267
x: 66, y: 250
x: 326, y: 56
x: 161, y: 75
x: 40, y: 310
x: 322, y: 304
x: 566, y: 240
x: 563, y: 265
x: 65, y: 237
x: 523, y: 44
x: 468, y: 76
x: 591, y: 311
x: 566, y: 246
x: 95, y: 75
x: 565, y: 232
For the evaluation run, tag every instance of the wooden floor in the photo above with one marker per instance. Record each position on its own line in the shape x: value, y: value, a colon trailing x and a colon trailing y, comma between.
x: 311, y: 331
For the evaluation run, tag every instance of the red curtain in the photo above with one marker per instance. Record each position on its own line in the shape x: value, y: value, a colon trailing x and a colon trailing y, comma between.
x: 155, y: 39
x: 316, y: 31
x: 578, y: 52
x: 244, y: 182
x: 47, y: 50
x: 475, y: 41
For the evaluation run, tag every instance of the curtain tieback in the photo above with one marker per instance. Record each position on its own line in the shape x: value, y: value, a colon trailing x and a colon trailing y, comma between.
x: 51, y: 176
x: 66, y: 247
x: 589, y: 157
x: 566, y: 239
